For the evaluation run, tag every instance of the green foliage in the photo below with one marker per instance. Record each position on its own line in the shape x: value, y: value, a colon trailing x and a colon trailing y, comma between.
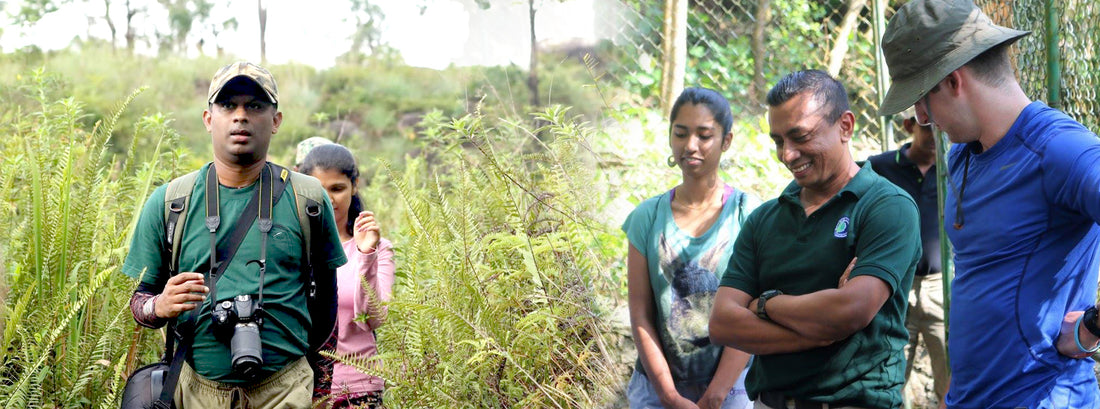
x: 501, y: 289
x: 65, y: 199
x: 372, y: 107
x: 33, y: 10
x: 368, y: 31
x: 719, y: 39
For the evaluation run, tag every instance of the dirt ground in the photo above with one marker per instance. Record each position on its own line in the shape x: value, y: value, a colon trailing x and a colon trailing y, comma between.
x: 918, y: 390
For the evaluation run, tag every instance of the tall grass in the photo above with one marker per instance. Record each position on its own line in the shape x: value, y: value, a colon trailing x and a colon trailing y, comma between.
x: 504, y: 285
x: 68, y: 205
x: 501, y: 295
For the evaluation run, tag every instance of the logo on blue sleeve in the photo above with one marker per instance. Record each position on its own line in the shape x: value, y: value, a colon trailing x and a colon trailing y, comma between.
x: 841, y: 230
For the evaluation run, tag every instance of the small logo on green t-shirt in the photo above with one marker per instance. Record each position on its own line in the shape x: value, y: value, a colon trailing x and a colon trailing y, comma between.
x: 841, y: 230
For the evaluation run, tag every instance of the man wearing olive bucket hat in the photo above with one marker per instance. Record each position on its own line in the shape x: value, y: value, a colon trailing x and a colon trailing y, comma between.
x: 1022, y: 208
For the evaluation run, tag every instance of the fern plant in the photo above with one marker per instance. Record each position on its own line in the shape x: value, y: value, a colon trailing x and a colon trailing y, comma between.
x: 498, y: 299
x: 68, y: 206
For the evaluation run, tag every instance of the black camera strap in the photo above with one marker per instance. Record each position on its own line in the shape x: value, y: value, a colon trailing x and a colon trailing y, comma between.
x: 267, y: 201
x: 271, y: 189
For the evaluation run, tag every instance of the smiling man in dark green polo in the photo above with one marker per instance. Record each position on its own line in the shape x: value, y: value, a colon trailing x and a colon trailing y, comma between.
x: 817, y: 287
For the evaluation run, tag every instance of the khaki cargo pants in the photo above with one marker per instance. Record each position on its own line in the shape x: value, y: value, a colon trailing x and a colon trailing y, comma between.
x: 289, y: 388
x: 925, y: 319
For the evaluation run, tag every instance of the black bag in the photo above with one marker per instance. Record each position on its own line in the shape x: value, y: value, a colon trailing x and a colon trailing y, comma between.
x: 154, y: 385
x: 144, y: 386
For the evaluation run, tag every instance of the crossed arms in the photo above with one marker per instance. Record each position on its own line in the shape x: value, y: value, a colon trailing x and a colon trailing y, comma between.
x: 798, y: 322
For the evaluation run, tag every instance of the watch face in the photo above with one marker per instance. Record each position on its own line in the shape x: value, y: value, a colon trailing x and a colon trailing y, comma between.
x: 1090, y: 317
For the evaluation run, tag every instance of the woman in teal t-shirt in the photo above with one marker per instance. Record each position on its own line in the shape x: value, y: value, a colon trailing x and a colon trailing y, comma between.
x: 680, y: 244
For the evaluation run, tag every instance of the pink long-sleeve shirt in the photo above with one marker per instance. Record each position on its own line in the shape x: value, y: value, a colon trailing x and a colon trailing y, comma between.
x: 364, y: 274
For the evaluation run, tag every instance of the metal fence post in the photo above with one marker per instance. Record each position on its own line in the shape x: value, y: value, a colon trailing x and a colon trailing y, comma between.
x: 1054, y: 57
x: 882, y: 78
x: 948, y: 269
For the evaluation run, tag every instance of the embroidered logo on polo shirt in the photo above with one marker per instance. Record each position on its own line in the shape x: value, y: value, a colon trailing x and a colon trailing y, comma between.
x: 841, y: 230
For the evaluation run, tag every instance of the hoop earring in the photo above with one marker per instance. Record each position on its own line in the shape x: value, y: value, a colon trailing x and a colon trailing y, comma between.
x: 671, y: 161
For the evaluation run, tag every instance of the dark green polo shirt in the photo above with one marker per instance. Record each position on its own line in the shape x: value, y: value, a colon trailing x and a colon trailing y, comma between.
x: 780, y: 248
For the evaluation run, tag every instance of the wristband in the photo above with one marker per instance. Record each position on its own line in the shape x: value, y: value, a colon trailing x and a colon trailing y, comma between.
x: 1077, y: 336
x: 149, y: 308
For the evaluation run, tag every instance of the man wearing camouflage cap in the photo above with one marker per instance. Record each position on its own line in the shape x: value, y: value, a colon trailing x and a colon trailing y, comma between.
x: 1021, y: 211
x: 233, y: 229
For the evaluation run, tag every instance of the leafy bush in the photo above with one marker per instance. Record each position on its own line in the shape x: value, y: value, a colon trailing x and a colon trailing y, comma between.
x: 503, y: 268
x: 499, y: 300
x: 68, y: 204
x: 372, y: 107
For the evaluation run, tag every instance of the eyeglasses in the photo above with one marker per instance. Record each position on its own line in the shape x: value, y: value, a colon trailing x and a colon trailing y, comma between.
x: 927, y: 107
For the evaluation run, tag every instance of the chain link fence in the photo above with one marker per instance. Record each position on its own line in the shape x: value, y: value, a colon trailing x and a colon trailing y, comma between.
x: 726, y: 36
x: 1078, y: 34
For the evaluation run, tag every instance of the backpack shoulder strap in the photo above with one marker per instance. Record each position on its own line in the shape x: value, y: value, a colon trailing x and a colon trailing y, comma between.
x: 308, y: 196
x: 176, y: 200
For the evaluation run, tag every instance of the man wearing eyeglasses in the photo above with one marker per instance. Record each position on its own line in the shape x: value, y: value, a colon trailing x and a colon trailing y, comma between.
x: 913, y: 168
x: 1021, y: 211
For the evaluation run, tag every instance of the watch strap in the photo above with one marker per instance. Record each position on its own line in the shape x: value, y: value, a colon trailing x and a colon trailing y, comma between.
x: 761, y: 309
x: 760, y: 312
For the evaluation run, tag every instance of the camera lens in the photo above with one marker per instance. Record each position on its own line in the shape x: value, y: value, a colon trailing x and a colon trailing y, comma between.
x: 245, y: 347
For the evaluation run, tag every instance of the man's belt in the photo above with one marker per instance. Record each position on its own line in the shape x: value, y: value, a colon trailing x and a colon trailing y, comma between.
x: 777, y: 400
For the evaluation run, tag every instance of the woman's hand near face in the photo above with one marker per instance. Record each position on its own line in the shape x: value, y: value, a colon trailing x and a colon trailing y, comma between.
x: 366, y: 232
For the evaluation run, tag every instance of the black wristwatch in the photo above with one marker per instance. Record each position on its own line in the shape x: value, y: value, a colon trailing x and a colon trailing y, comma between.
x: 760, y: 311
x: 1090, y: 321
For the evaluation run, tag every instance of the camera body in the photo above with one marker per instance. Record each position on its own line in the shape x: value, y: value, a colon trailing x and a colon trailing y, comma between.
x: 241, y: 316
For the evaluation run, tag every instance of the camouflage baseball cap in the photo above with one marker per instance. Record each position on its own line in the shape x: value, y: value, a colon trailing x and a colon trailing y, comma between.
x: 254, y: 72
x: 928, y: 39
x: 307, y: 145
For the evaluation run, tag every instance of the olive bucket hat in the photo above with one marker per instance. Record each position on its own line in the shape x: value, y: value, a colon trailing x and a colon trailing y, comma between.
x: 928, y: 39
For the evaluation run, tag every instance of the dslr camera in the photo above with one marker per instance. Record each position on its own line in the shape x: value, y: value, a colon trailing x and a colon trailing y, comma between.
x: 241, y: 316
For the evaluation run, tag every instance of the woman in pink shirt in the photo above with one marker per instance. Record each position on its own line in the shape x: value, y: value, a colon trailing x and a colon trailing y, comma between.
x: 365, y: 282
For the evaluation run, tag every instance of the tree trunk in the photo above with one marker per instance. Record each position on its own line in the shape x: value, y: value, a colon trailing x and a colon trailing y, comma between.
x: 840, y: 44
x: 533, y: 70
x: 110, y: 23
x: 130, y: 12
x: 263, y: 31
x: 674, y: 47
x: 757, y: 90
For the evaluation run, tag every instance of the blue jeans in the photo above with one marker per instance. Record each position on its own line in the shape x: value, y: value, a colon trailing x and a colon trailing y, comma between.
x: 641, y: 394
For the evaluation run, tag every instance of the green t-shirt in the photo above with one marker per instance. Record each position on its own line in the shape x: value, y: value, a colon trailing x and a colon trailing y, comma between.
x: 780, y: 248
x: 684, y: 273
x: 285, y: 331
